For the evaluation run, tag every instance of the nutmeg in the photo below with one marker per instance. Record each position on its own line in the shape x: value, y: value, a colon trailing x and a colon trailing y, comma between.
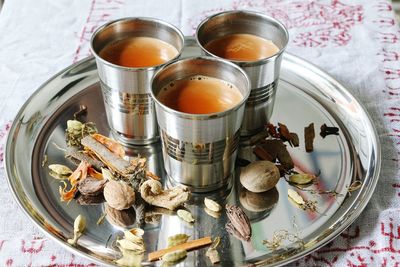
x: 119, y: 195
x: 259, y: 176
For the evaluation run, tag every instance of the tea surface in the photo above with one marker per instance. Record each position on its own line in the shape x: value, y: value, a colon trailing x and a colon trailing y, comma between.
x: 200, y: 95
x: 242, y: 46
x: 137, y: 52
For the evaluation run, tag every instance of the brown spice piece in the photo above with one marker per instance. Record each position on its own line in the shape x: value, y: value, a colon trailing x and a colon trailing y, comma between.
x: 326, y: 130
x: 277, y: 149
x: 122, y: 218
x: 115, y: 163
x: 271, y: 129
x: 91, y: 186
x: 309, y: 135
x: 78, y: 156
x: 261, y: 153
x: 294, y: 139
x: 286, y: 135
x: 239, y: 225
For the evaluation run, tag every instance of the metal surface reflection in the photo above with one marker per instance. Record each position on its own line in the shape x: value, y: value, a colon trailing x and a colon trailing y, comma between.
x: 305, y: 95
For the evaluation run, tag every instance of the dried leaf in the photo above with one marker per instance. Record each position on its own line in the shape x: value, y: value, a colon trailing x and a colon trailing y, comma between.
x: 301, y: 178
x: 76, y: 131
x: 177, y: 239
x: 185, y: 215
x: 212, y: 205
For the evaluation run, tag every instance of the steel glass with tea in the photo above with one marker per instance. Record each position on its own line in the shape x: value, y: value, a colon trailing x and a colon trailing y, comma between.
x: 199, y: 105
x: 128, y: 52
x: 255, y: 42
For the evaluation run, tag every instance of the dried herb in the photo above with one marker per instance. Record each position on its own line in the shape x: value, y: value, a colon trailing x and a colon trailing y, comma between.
x: 309, y: 135
x: 77, y: 130
x: 326, y: 130
x: 79, y: 227
x: 279, y: 237
x: 239, y: 224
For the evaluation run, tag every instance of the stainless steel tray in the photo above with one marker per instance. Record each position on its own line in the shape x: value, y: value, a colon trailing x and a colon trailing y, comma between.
x: 305, y: 95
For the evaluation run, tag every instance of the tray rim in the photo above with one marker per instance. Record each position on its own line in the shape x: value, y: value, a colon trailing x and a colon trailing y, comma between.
x: 286, y: 56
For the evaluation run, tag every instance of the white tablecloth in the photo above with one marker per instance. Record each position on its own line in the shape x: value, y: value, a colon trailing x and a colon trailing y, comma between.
x: 356, y: 41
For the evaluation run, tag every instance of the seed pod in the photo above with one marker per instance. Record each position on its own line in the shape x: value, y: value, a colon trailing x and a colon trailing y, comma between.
x: 213, y: 214
x: 213, y: 255
x: 134, y: 235
x: 79, y: 227
x: 295, y: 197
x: 60, y: 169
x: 177, y: 239
x: 301, y: 178
x: 185, y: 215
x: 174, y: 255
x: 212, y: 205
x: 126, y: 244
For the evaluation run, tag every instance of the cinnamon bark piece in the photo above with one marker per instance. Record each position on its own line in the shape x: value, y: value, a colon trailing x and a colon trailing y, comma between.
x: 309, y: 135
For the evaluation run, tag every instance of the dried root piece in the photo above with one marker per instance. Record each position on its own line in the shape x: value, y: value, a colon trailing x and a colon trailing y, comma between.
x: 239, y: 225
x: 212, y: 252
x: 153, y: 193
x: 79, y: 227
